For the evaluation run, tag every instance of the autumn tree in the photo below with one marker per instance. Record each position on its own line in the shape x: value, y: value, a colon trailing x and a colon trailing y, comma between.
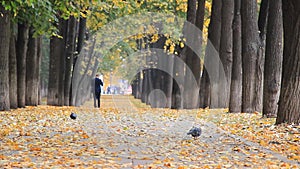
x: 235, y: 103
x: 32, y: 83
x: 4, y: 64
x: 209, y: 87
x: 288, y: 109
x: 273, y: 59
x: 13, y: 97
x: 226, y: 51
x: 249, y: 54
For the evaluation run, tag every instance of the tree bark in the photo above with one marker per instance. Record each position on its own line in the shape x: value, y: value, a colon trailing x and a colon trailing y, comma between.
x: 146, y: 88
x: 289, y: 102
x: 235, y: 103
x: 249, y: 54
x: 273, y: 60
x: 226, y: 52
x: 212, y: 83
x: 4, y: 54
x: 192, y: 73
x: 204, y: 93
x: 140, y: 86
x: 21, y: 51
x: 13, y: 69
x: 262, y: 25
x: 81, y: 33
x: 79, y: 84
x: 262, y: 18
x: 70, y: 48
x: 31, y: 97
x: 63, y: 61
x: 39, y: 60
x: 56, y: 68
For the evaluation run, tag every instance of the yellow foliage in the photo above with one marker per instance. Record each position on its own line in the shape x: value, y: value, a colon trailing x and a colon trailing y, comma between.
x: 172, y: 48
x: 170, y: 20
x: 154, y: 38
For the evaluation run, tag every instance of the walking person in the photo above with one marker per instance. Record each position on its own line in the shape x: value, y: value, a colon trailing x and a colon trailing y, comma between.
x: 96, y: 87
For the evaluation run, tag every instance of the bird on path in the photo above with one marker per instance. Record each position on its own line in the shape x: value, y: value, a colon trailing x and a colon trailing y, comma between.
x: 73, y: 116
x: 195, y: 132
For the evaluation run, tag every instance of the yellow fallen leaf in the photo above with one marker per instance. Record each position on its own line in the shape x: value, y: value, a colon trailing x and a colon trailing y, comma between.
x: 84, y: 135
x: 35, y: 149
x: 182, y: 167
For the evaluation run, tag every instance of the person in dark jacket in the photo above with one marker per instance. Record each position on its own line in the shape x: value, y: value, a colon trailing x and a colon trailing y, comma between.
x: 97, y: 83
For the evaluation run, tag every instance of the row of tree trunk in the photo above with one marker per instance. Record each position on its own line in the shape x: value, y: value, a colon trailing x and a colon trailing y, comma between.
x: 247, y: 76
x: 69, y: 79
x: 21, y: 53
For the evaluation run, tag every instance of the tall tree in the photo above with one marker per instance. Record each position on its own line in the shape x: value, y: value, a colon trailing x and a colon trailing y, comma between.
x: 4, y: 53
x: 262, y: 27
x: 226, y: 51
x: 31, y: 97
x: 289, y: 102
x: 211, y: 83
x: 13, y: 98
x: 235, y: 103
x: 200, y: 13
x: 78, y: 79
x: 191, y: 93
x: 56, y: 70
x: 262, y: 18
x: 70, y: 49
x: 273, y: 59
x: 63, y: 59
x: 39, y: 62
x: 21, y: 51
x: 249, y: 53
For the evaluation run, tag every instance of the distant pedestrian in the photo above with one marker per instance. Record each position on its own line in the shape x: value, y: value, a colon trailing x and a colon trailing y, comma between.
x: 96, y: 89
x: 108, y: 90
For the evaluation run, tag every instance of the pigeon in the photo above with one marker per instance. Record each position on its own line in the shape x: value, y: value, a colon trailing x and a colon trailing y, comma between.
x: 73, y: 116
x: 195, y: 132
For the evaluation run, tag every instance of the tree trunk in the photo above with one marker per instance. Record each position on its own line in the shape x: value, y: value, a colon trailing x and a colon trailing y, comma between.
x: 45, y: 62
x: 31, y: 97
x: 226, y: 52
x: 134, y: 85
x: 262, y: 25
x: 85, y: 70
x: 140, y: 86
x: 13, y: 69
x: 56, y: 68
x: 204, y: 93
x: 273, y: 60
x: 63, y: 62
x: 249, y: 54
x: 178, y: 79
x: 212, y: 49
x: 289, y: 102
x: 199, y: 23
x: 81, y: 33
x: 4, y: 54
x: 38, y: 75
x: 262, y: 18
x: 70, y: 48
x: 192, y: 73
x: 236, y: 78
x: 146, y: 88
x: 21, y: 51
x: 167, y: 80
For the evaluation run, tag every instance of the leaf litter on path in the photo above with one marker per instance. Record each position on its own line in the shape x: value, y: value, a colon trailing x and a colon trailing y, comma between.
x: 141, y: 137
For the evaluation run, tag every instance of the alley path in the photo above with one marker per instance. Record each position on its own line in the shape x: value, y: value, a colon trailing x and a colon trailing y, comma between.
x: 123, y: 133
x: 145, y: 137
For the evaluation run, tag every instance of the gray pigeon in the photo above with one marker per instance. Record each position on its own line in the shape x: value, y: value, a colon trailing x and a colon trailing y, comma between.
x: 195, y: 132
x: 73, y: 116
